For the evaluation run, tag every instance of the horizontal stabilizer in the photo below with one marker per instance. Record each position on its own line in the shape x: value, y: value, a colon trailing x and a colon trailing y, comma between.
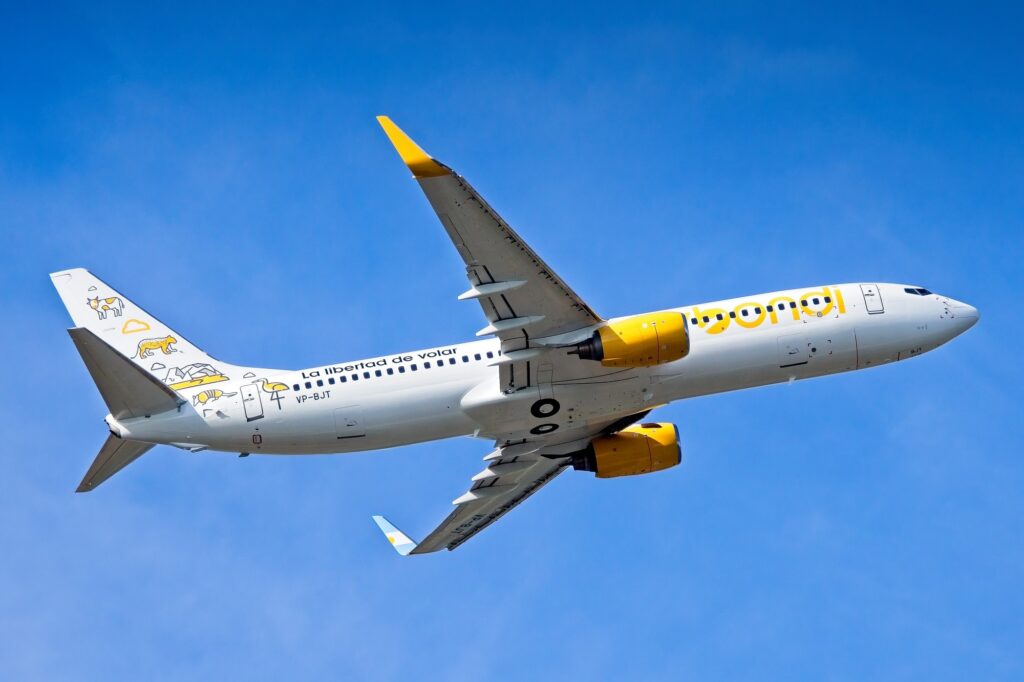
x: 115, y: 455
x: 127, y: 389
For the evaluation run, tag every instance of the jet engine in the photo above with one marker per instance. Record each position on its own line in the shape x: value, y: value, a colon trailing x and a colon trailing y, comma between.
x: 640, y: 341
x: 639, y: 449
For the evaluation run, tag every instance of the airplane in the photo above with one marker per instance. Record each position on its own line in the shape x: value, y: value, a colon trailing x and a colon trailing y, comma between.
x: 552, y: 383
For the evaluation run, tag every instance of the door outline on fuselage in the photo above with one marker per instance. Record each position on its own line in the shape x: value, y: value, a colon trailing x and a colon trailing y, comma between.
x: 348, y: 422
x: 872, y: 299
x: 793, y: 350
x: 252, y: 402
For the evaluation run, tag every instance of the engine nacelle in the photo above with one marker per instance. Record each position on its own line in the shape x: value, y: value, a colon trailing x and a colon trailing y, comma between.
x: 639, y: 449
x: 640, y: 341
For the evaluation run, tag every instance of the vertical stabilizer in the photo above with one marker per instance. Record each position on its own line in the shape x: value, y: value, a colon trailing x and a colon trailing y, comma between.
x: 141, y: 338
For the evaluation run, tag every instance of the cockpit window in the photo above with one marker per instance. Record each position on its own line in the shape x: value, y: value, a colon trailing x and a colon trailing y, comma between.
x: 917, y: 291
x: 924, y: 292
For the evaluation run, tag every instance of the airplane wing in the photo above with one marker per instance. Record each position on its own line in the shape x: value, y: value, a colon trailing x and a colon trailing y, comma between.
x: 513, y: 473
x: 520, y: 294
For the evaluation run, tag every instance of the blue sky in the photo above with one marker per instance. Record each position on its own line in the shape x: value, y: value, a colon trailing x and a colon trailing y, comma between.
x: 223, y: 168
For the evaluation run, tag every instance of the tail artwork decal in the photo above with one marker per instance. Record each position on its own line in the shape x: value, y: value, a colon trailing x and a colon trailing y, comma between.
x: 104, y: 306
x: 274, y: 388
x: 190, y: 376
x: 134, y: 326
x: 209, y: 396
x: 142, y: 339
x: 148, y: 347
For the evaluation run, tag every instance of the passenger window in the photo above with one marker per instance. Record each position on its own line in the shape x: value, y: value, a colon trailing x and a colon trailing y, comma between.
x: 330, y: 380
x: 426, y: 365
x: 390, y: 371
x: 309, y: 385
x: 476, y: 356
x: 803, y: 302
x: 732, y: 314
x: 295, y: 387
x: 366, y: 375
x: 769, y: 308
x: 451, y: 361
x: 693, y: 321
x: 355, y: 377
x: 719, y: 316
x: 413, y: 367
x: 828, y: 299
x: 792, y: 304
x: 757, y: 310
x: 490, y: 355
x: 401, y: 369
x: 342, y: 379
x: 743, y: 312
x: 465, y: 358
x: 319, y: 382
x: 377, y: 372
x: 814, y: 300
x: 706, y: 319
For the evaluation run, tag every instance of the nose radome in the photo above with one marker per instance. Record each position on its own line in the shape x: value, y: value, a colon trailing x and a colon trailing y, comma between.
x: 964, y: 316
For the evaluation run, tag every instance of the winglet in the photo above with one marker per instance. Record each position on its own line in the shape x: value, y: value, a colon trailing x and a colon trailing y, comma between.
x: 399, y: 540
x: 418, y: 161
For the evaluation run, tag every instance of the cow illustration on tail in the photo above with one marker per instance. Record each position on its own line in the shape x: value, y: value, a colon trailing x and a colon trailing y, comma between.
x: 104, y: 306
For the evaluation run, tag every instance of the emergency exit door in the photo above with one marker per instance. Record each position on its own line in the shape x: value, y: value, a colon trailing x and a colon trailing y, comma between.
x: 252, y: 402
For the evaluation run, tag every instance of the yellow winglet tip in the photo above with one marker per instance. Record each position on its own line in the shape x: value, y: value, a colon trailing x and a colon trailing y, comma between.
x: 418, y: 161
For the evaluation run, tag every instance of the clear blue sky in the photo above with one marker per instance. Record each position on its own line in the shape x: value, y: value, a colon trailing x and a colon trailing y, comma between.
x: 224, y: 169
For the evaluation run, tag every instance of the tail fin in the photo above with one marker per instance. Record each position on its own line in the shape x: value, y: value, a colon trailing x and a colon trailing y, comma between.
x: 115, y: 455
x: 135, y: 334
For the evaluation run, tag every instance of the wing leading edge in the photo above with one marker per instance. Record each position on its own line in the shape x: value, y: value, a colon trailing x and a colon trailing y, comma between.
x: 522, y: 298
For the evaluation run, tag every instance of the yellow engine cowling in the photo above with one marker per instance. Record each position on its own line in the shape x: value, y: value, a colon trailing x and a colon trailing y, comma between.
x: 639, y: 449
x: 640, y: 341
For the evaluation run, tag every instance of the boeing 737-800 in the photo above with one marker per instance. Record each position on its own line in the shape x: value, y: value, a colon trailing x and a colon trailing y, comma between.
x: 552, y: 383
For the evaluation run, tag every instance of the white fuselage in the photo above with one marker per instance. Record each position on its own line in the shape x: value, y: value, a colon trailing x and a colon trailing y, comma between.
x: 453, y: 390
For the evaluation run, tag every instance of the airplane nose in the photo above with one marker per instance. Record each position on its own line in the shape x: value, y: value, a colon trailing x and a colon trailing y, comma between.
x: 964, y: 316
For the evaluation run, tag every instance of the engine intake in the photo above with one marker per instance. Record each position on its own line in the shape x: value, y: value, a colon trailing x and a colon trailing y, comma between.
x: 639, y: 449
x: 640, y: 341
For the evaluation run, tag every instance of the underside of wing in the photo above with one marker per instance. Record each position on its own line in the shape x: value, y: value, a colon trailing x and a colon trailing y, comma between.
x: 513, y: 473
x: 488, y: 501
